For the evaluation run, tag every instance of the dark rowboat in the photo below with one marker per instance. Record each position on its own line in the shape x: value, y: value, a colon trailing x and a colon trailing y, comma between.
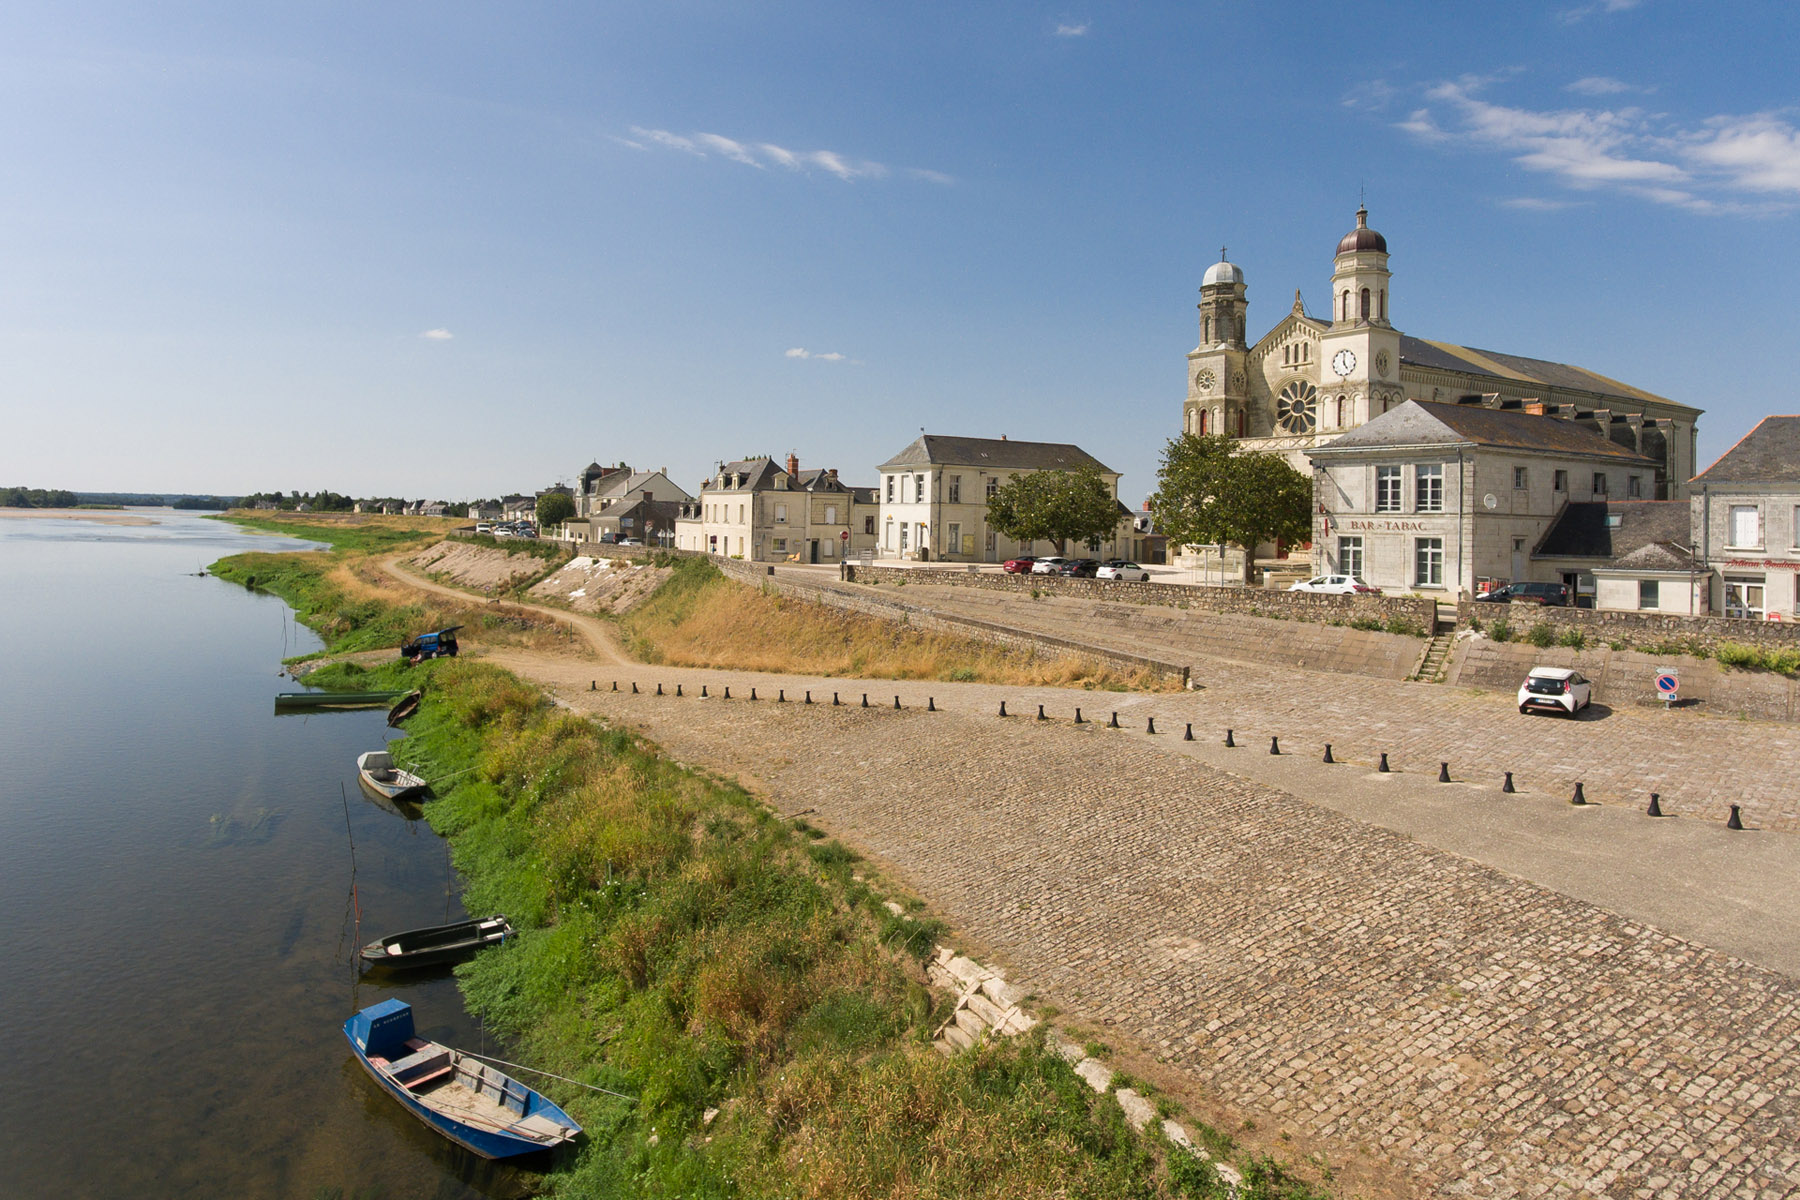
x: 409, y: 704
x: 378, y: 773
x: 437, y: 944
x: 474, y: 1105
x: 297, y: 700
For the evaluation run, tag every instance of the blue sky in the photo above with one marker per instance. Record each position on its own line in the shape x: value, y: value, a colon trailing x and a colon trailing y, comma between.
x: 459, y: 249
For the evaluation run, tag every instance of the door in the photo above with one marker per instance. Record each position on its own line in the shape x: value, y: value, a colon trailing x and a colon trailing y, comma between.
x: 1518, y: 559
x: 813, y: 547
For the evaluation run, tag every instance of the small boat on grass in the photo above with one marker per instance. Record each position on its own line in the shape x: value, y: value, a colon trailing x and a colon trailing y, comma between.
x: 409, y: 704
x: 473, y: 1104
x: 437, y: 944
x: 291, y: 701
x: 377, y: 771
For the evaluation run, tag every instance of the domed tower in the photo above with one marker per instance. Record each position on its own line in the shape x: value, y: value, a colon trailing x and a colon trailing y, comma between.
x: 1216, y: 375
x: 1361, y: 350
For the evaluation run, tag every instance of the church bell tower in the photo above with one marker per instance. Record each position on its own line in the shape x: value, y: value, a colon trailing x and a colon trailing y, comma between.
x: 1360, y: 352
x: 1217, y: 380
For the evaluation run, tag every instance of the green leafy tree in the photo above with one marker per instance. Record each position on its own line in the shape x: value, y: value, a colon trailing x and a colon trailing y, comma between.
x: 553, y: 508
x: 1054, y: 506
x: 1208, y: 495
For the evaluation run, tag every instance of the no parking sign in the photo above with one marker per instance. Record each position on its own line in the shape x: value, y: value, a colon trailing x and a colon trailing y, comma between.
x: 1668, y: 683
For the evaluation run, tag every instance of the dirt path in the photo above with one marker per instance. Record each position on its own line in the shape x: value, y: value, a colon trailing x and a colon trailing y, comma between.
x: 598, y: 636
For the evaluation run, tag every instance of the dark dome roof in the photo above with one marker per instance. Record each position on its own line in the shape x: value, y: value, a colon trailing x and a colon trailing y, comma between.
x: 1362, y: 237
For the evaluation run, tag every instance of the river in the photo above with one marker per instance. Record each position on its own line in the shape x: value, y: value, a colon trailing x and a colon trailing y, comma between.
x: 179, y: 943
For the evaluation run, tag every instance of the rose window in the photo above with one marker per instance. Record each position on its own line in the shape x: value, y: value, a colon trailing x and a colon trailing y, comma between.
x: 1297, y: 408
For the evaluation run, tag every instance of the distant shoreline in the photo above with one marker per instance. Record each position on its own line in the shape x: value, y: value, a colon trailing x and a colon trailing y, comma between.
x: 102, y: 516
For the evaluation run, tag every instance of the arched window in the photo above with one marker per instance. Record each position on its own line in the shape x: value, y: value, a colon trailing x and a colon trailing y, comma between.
x: 1208, y: 324
x: 1384, y: 304
x: 1240, y: 422
x: 1202, y: 415
x: 1365, y: 304
x: 1340, y: 412
x: 1344, y: 306
x: 1286, y: 351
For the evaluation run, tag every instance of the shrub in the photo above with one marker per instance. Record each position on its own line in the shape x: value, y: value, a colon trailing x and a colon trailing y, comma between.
x: 1541, y: 635
x: 1475, y: 624
x: 1736, y: 654
x: 1573, y: 638
x: 1403, y: 626
x: 1500, y: 631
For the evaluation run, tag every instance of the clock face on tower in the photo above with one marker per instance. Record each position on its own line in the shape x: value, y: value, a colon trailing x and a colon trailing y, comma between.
x: 1381, y: 363
x: 1204, y: 380
x: 1344, y: 362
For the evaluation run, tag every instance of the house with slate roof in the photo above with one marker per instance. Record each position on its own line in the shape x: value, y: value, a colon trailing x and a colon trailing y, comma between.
x: 1453, y: 498
x: 1627, y: 555
x: 1745, y: 512
x: 762, y: 511
x: 934, y: 496
x: 1314, y: 377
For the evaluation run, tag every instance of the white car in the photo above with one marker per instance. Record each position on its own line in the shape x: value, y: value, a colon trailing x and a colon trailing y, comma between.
x: 1048, y: 566
x: 1557, y: 689
x: 1126, y: 572
x: 1336, y: 585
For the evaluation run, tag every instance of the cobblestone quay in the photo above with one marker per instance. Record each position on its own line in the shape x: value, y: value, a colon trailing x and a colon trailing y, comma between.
x: 1485, y: 1035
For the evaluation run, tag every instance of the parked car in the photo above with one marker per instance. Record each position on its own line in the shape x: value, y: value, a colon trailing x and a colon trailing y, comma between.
x: 628, y: 542
x: 1080, y: 568
x: 1126, y: 572
x: 1557, y: 689
x: 484, y: 527
x: 1048, y: 566
x: 1021, y: 565
x: 1539, y: 593
x: 1336, y: 585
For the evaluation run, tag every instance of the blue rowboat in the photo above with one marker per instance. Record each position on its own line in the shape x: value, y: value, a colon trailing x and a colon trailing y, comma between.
x: 469, y: 1102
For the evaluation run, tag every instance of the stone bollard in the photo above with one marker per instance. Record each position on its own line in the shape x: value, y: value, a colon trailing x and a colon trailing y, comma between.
x: 678, y: 689
x: 834, y: 700
x: 781, y: 695
x: 634, y: 690
x: 865, y: 702
x: 728, y: 691
x: 1734, y: 821
x: 1228, y: 740
x: 1274, y: 745
x: 1041, y: 715
x: 1189, y: 735
x: 1078, y: 719
x: 931, y: 704
x: 896, y: 704
x: 1655, y: 809
x: 808, y: 699
x: 753, y: 693
x: 1579, y: 797
x: 593, y: 685
x: 1328, y: 757
x: 1507, y: 787
x: 1151, y: 726
x: 1114, y: 723
x: 1003, y: 708
x: 659, y: 689
x: 703, y: 694
x: 1383, y: 768
x: 615, y: 685
x: 1443, y: 772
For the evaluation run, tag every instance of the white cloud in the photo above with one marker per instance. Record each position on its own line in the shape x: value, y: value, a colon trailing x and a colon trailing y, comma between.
x: 832, y: 356
x: 437, y: 335
x: 1374, y: 95
x: 1072, y: 31
x: 764, y: 154
x: 798, y: 352
x: 1625, y: 149
x: 1538, y: 204
x: 1570, y: 16
x: 1599, y: 85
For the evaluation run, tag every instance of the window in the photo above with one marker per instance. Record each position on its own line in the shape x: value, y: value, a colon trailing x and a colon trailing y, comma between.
x: 1387, y: 489
x: 903, y: 528
x: 781, y: 514
x: 1350, y: 556
x: 831, y: 514
x: 1519, y: 477
x: 1559, y: 482
x: 1428, y: 562
x: 890, y: 489
x: 1796, y: 538
x: 956, y: 489
x: 1634, y: 486
x: 1364, y: 307
x: 1297, y: 408
x: 993, y: 485
x: 740, y: 514
x: 1428, y: 487
x: 869, y: 526
x: 1599, y: 483
x: 781, y: 545
x: 953, y: 539
x: 1744, y: 597
x: 1746, y: 528
x: 918, y: 489
x: 1649, y: 594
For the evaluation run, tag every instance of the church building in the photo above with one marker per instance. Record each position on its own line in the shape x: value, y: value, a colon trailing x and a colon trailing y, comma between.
x: 1312, y: 378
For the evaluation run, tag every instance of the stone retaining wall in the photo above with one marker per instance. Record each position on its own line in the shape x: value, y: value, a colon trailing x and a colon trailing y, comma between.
x: 1416, y: 612
x: 1636, y: 630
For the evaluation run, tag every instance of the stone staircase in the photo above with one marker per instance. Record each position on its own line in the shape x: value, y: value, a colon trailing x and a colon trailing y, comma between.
x: 1435, y: 657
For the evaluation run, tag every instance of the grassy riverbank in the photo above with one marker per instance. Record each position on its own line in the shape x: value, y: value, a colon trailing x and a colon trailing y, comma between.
x: 700, y: 618
x: 739, y: 978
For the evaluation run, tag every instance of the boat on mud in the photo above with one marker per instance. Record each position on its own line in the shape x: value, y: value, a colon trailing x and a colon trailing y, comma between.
x: 377, y: 772
x: 408, y: 705
x: 475, y: 1105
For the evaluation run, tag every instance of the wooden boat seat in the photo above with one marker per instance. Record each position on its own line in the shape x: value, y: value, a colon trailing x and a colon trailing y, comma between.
x: 424, y: 1064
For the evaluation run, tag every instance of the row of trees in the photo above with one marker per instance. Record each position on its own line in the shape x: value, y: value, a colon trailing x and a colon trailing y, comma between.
x: 1207, y: 493
x: 18, y: 497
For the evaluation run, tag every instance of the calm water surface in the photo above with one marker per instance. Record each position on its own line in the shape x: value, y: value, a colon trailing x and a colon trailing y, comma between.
x: 175, y: 879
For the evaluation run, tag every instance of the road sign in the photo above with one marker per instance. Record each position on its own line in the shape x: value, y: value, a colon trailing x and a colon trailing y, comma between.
x: 1668, y: 683
x: 843, y: 535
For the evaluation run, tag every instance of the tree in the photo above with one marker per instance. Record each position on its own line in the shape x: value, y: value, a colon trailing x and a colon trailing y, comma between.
x: 553, y: 508
x: 1056, y: 506
x: 1208, y: 495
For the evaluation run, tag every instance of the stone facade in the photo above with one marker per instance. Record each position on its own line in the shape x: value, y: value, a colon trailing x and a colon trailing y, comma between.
x: 758, y: 511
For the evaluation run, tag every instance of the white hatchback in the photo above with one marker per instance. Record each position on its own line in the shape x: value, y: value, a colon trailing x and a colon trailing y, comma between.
x: 1048, y: 566
x: 1336, y: 585
x: 1125, y: 572
x: 1556, y: 689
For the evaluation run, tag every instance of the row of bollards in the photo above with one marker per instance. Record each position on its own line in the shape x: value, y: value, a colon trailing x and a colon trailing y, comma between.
x: 781, y: 696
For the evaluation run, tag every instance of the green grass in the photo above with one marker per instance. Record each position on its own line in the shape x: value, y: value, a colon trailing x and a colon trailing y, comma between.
x: 373, y: 536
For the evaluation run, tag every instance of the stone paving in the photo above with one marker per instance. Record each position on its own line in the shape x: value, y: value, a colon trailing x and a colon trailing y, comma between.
x: 1700, y: 764
x: 1487, y: 1036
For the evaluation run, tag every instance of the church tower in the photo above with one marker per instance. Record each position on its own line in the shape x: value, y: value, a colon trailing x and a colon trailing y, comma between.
x: 1360, y: 352
x: 1217, y: 390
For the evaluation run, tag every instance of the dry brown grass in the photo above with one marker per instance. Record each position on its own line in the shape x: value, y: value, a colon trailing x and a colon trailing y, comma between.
x: 717, y: 622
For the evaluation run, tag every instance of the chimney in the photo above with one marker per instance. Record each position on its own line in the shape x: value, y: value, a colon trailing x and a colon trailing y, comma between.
x: 1003, y: 437
x: 832, y: 474
x: 1535, y: 407
x: 1146, y: 504
x: 793, y: 464
x: 648, y: 497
